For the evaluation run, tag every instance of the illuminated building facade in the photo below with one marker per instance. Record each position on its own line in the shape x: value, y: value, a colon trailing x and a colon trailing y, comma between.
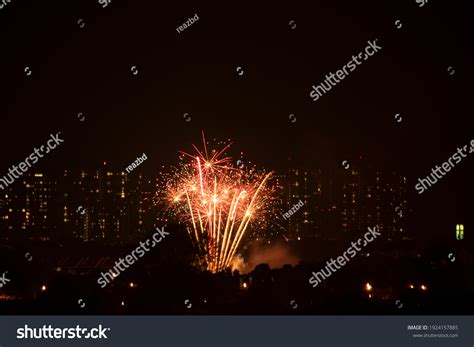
x: 28, y: 206
x: 91, y: 206
x: 341, y: 205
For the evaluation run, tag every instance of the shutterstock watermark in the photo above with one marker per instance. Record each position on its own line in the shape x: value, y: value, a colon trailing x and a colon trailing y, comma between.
x: 439, y: 171
x: 332, y: 80
x: 319, y: 276
x: 48, y: 332
x: 4, y: 3
x: 33, y: 158
x: 4, y: 279
x: 130, y: 259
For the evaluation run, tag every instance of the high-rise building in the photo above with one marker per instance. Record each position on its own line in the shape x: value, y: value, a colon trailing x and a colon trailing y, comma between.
x: 352, y: 203
x: 96, y: 205
x: 28, y: 206
x: 102, y: 205
x: 303, y: 187
x: 340, y: 206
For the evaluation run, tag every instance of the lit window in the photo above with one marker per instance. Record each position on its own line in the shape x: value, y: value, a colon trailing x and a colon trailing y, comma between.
x: 459, y: 232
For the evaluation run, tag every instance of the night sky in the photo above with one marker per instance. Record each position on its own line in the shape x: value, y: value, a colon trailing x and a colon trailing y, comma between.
x: 88, y: 70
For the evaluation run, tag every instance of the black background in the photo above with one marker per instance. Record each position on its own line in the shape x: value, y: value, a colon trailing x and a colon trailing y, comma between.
x: 88, y: 70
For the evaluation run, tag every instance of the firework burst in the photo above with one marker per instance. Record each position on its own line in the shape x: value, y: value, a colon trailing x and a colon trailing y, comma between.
x: 216, y: 201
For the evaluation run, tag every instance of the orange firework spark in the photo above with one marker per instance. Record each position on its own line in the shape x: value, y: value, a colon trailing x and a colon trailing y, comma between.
x: 216, y: 201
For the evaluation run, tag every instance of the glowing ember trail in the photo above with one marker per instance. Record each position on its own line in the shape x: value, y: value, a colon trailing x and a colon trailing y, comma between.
x: 217, y: 202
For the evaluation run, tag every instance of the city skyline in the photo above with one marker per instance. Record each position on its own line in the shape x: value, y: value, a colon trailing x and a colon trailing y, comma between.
x: 334, y: 206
